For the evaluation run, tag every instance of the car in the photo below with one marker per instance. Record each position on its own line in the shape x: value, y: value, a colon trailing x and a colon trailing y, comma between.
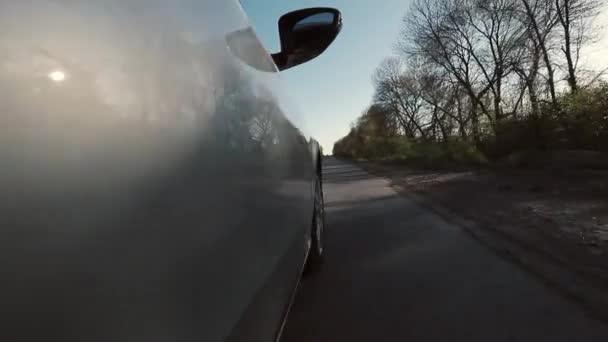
x: 157, y: 185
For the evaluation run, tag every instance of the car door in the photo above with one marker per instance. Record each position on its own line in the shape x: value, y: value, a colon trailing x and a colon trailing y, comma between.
x: 154, y: 185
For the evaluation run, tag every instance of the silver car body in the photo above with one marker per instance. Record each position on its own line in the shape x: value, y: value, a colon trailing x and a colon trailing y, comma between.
x: 155, y: 183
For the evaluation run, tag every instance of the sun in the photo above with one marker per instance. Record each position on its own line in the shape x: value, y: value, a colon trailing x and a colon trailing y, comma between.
x: 57, y: 76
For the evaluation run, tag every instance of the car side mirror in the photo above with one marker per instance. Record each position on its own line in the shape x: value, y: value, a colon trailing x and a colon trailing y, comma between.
x: 305, y: 34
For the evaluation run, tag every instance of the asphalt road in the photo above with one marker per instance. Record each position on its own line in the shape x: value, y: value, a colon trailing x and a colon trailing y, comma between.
x: 396, y: 271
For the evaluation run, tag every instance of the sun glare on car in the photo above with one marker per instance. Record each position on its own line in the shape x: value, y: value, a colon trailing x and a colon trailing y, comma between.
x: 57, y: 76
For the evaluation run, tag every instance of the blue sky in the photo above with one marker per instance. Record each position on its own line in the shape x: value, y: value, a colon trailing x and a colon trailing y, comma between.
x: 335, y: 88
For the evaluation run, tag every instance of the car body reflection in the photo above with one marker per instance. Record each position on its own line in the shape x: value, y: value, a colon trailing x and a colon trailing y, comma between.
x: 152, y: 182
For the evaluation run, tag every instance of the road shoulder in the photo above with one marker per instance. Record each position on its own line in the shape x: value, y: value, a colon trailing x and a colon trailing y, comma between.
x: 586, y: 288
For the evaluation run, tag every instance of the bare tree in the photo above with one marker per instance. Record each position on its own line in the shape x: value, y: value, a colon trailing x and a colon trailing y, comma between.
x: 466, y: 68
x: 541, y: 20
x: 528, y: 69
x: 442, y: 96
x: 440, y: 34
x: 399, y: 90
x: 576, y: 20
x: 498, y: 49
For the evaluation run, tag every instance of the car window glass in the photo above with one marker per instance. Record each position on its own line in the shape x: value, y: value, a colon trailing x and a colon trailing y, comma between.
x: 315, y: 20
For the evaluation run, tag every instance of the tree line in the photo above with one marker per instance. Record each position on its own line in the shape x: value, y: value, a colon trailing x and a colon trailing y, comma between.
x: 493, y: 75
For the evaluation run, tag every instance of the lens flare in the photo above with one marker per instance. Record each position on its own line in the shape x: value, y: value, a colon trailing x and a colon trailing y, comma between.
x: 57, y: 76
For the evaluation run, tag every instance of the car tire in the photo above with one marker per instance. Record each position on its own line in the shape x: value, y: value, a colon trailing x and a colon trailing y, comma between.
x: 317, y: 242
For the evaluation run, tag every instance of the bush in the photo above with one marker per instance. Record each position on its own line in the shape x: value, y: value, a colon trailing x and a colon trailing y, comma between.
x: 465, y: 152
x: 423, y: 153
x: 518, y: 134
x: 584, y: 118
x: 579, y: 121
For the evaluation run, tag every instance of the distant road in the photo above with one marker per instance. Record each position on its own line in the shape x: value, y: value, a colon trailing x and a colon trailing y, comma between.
x: 396, y: 271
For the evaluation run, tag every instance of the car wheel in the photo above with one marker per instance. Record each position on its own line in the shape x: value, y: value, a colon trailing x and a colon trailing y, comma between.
x: 317, y: 244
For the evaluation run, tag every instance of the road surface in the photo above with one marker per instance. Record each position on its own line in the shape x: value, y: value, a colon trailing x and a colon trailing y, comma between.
x: 396, y: 271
